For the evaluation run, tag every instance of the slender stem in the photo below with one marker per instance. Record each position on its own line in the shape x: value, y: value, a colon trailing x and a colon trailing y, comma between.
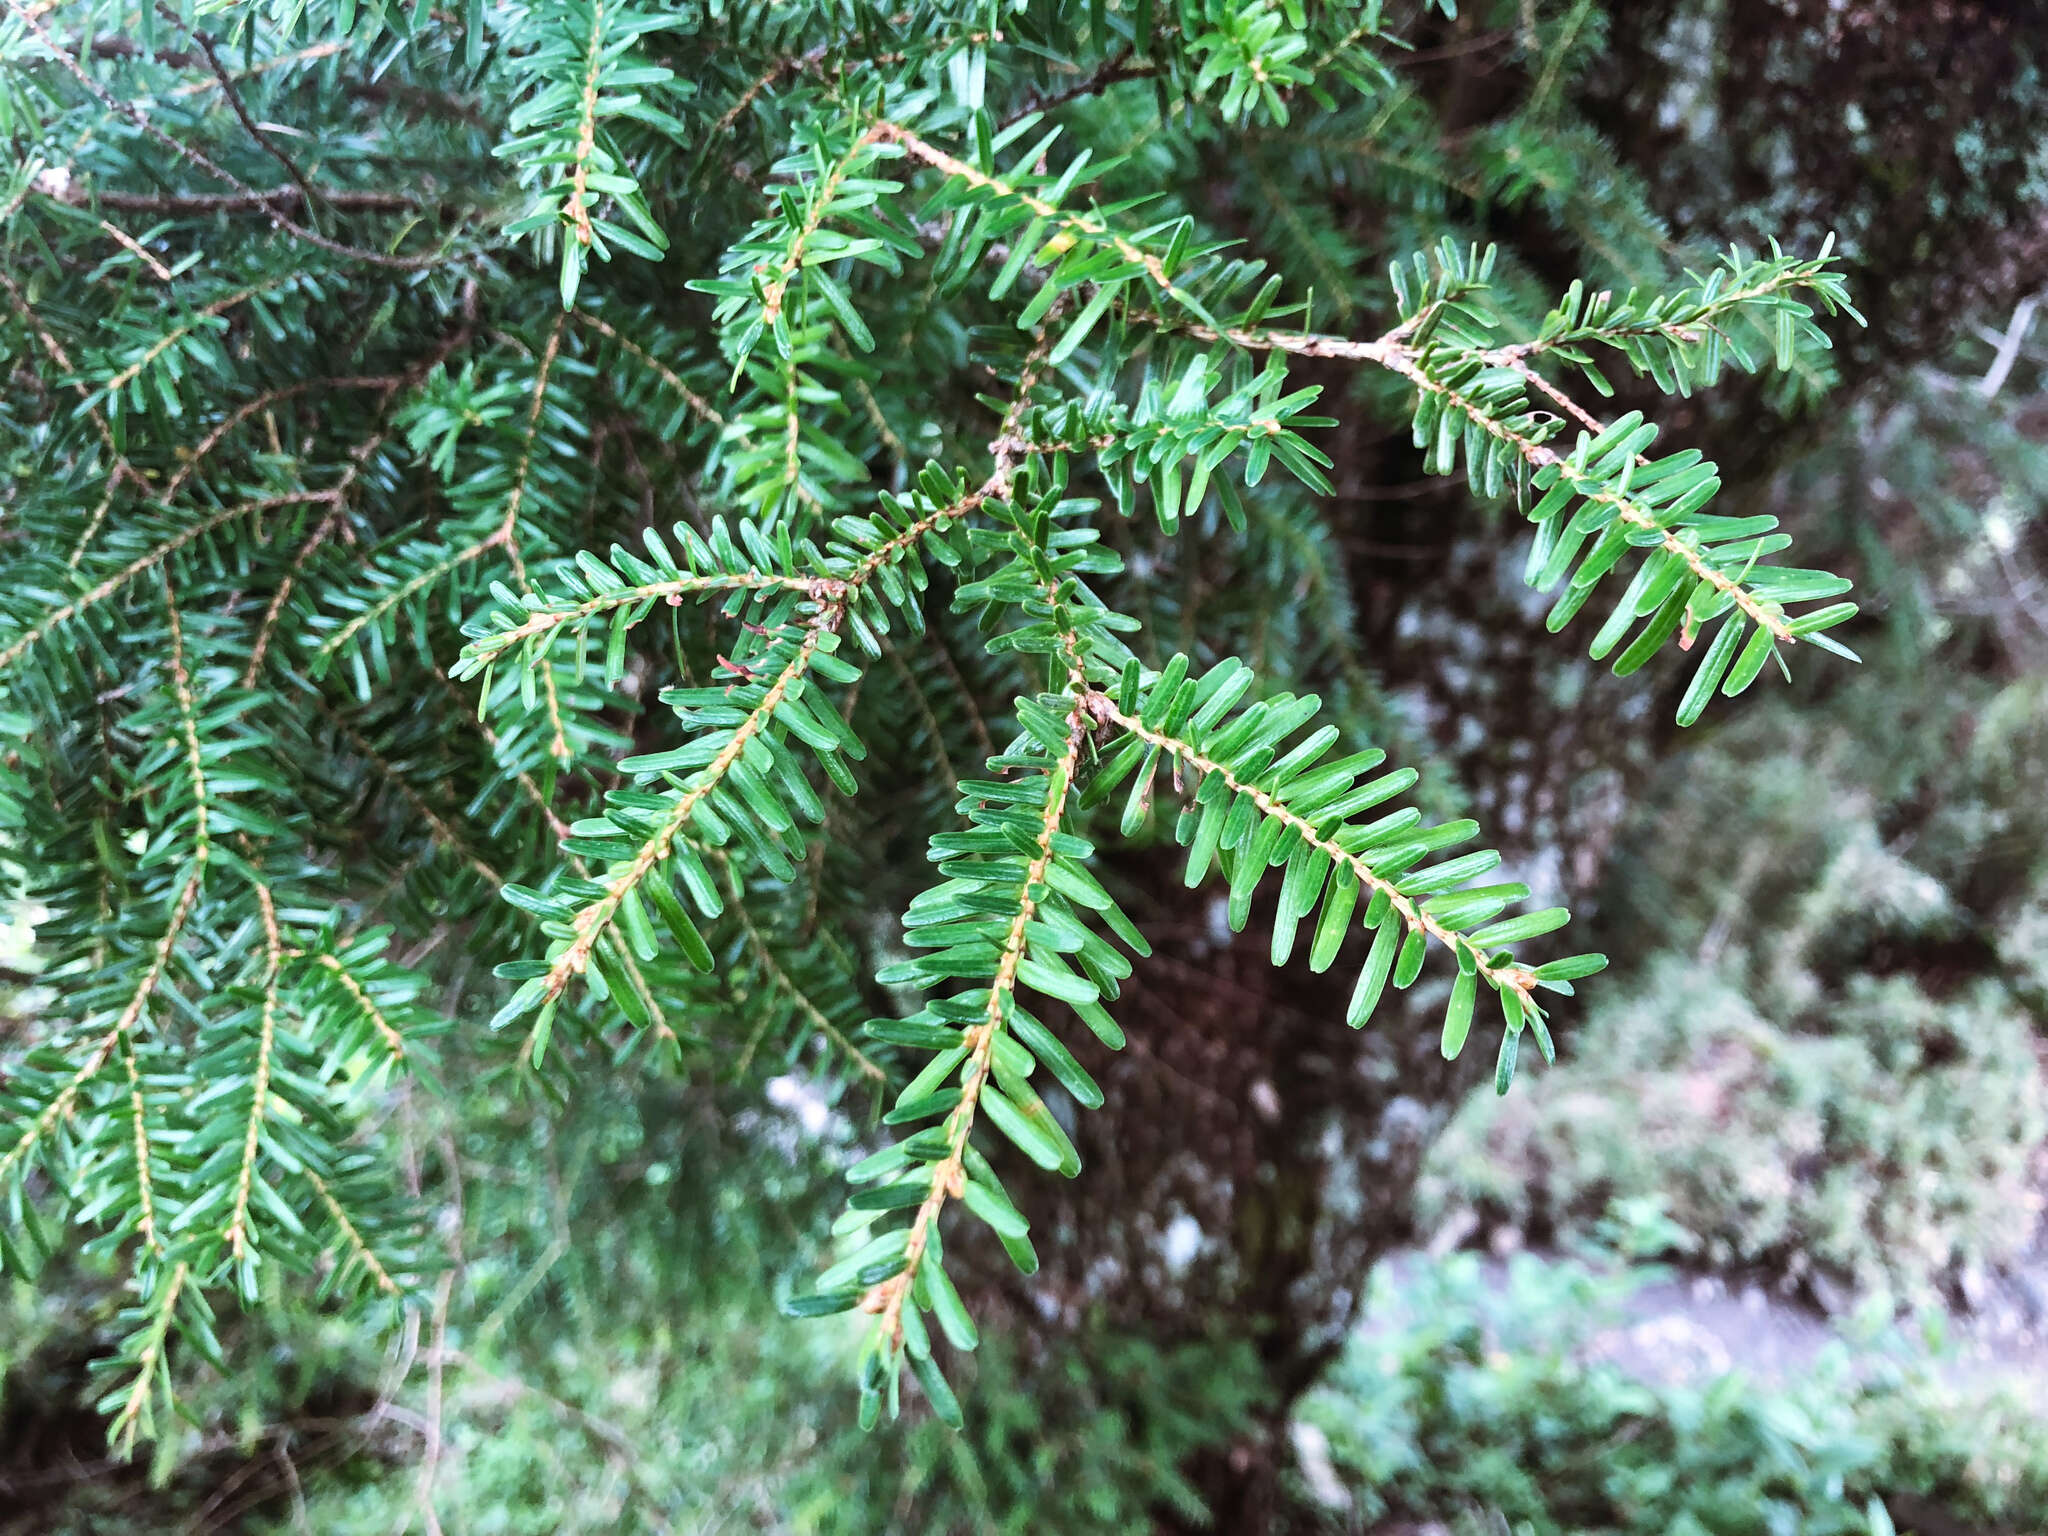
x: 1397, y: 357
x: 122, y: 1431
x: 145, y: 1182
x: 586, y: 132
x: 235, y: 103
x: 258, y: 200
x: 548, y: 621
x: 237, y: 1231
x: 359, y: 995
x: 792, y: 260
x: 143, y: 562
x: 60, y: 1106
x: 1086, y: 226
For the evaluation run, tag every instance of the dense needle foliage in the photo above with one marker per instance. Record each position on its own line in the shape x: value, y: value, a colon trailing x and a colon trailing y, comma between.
x: 509, y: 510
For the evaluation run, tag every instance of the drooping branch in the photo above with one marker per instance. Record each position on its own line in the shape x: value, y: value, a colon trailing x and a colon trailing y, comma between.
x: 948, y: 1174
x: 1412, y: 912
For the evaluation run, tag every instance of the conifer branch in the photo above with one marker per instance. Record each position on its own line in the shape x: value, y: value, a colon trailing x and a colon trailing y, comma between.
x: 236, y: 1233
x: 592, y: 921
x: 337, y: 496
x: 134, y: 115
x: 188, y: 720
x: 62, y: 1103
x: 150, y: 560
x: 398, y: 595
x: 259, y: 200
x: 149, y: 1359
x: 393, y: 1040
x: 1407, y: 361
x: 701, y: 408
x: 145, y: 1181
x: 444, y: 835
x: 900, y: 233
x: 548, y: 621
x: 54, y: 349
x: 352, y: 1238
x: 949, y: 1173
x: 1413, y: 914
x: 577, y: 208
x: 1086, y: 227
x: 135, y: 248
x: 112, y: 387
x: 1540, y: 456
x: 240, y: 415
x: 264, y: 141
x: 777, y: 282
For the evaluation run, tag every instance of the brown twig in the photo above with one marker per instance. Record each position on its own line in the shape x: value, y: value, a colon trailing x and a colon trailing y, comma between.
x: 239, y: 107
x: 256, y: 200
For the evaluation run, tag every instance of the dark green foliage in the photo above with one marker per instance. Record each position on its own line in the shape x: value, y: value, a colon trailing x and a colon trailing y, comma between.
x: 895, y: 325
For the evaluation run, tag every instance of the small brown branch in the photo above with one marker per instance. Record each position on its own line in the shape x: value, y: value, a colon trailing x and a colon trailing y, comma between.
x: 444, y: 835
x: 698, y: 405
x: 350, y: 1236
x: 777, y: 287
x: 1115, y: 71
x: 54, y: 349
x: 239, y: 107
x: 1398, y: 357
x: 256, y: 200
x: 135, y: 248
x: 586, y: 132
x: 778, y: 975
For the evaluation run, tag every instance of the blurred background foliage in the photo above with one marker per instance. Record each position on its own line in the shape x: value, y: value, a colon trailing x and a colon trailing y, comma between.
x: 1818, y: 1074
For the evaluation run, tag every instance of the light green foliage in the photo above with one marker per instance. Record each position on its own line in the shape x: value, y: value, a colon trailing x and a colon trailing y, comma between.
x: 1482, y: 1411
x: 583, y: 61
x: 899, y: 324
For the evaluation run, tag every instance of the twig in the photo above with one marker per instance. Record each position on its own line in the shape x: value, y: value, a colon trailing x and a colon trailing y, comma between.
x: 2009, y: 347
x: 256, y: 200
x: 239, y: 107
x: 1114, y: 72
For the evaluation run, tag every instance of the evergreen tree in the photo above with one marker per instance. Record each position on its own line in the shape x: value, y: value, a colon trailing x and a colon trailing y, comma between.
x: 538, y: 516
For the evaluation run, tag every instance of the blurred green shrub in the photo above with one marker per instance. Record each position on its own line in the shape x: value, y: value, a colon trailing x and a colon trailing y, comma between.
x: 1478, y: 1415
x: 1829, y: 1064
x: 1879, y: 1154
